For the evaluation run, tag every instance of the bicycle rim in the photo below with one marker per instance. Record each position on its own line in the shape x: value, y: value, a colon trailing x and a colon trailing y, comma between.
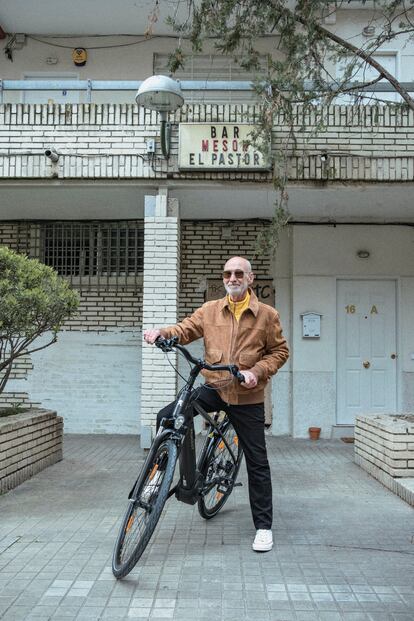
x: 140, y: 520
x: 220, y: 466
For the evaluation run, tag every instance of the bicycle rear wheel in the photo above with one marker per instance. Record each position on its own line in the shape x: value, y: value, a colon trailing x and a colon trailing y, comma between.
x: 144, y: 509
x: 220, y: 472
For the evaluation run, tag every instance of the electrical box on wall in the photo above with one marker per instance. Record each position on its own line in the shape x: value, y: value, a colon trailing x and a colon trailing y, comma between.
x: 150, y: 144
x: 311, y: 325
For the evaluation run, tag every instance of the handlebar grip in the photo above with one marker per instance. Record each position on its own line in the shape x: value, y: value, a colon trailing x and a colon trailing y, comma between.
x: 165, y: 344
x: 240, y: 377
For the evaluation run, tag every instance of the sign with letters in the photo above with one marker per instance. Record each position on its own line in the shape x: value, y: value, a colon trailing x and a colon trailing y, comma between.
x: 218, y: 146
x: 263, y: 288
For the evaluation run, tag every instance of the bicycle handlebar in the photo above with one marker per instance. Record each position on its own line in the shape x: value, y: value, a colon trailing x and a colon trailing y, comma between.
x: 167, y: 345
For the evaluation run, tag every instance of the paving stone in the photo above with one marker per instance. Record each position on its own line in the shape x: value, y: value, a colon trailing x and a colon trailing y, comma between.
x: 342, y: 552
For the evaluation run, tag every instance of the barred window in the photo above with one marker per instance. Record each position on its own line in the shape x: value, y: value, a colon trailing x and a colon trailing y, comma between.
x: 94, y: 249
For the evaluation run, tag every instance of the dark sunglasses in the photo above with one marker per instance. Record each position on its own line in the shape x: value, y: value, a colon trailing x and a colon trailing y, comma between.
x: 238, y: 274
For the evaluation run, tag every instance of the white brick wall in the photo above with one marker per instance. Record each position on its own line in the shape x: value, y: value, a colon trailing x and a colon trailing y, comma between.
x: 384, y: 447
x: 387, y: 442
x: 106, y: 310
x: 92, y: 379
x: 108, y: 141
x: 92, y: 375
x: 160, y: 302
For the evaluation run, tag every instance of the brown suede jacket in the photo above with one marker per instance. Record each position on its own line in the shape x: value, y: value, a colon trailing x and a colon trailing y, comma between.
x: 255, y: 343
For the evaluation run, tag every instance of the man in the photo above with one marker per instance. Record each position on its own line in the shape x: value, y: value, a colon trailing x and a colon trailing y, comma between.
x: 238, y: 329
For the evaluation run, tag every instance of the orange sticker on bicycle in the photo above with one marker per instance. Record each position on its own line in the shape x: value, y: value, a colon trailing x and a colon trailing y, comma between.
x: 153, y: 471
x: 130, y: 523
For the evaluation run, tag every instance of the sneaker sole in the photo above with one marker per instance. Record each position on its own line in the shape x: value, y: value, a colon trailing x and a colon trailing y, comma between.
x: 267, y: 549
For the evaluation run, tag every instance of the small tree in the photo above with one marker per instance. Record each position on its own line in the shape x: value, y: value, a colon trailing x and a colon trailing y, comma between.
x: 302, y: 60
x: 33, y: 300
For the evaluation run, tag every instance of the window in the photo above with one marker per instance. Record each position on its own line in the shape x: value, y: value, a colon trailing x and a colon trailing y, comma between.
x: 212, y: 67
x: 94, y: 250
x: 365, y: 73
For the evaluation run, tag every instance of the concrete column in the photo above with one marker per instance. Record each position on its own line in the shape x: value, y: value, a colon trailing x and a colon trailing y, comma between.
x: 160, y: 305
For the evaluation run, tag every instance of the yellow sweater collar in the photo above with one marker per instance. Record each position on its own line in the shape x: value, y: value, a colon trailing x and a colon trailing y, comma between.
x: 238, y: 308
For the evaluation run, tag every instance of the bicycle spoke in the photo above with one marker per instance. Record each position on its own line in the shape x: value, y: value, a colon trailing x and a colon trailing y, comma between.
x: 144, y: 510
x: 221, y: 469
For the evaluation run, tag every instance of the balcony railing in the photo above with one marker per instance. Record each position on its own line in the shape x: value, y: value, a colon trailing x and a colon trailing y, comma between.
x: 90, y: 86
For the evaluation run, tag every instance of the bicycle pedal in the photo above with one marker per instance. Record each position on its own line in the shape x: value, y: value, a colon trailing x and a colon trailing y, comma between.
x: 237, y: 484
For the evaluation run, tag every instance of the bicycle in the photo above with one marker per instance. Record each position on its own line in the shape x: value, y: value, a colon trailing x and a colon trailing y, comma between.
x: 208, y: 482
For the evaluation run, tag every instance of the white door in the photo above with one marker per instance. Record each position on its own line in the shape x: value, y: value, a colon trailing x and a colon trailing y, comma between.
x: 366, y: 348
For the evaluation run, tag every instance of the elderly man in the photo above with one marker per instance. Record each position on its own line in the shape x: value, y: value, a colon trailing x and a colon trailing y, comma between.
x: 238, y: 329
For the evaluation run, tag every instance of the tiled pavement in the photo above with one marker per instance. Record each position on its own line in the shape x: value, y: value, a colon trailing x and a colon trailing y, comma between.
x: 344, y: 544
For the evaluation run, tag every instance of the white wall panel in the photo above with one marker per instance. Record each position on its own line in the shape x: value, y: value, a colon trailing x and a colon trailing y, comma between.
x: 92, y: 379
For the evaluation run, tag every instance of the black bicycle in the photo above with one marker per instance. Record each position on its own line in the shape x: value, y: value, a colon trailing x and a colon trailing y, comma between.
x: 208, y: 482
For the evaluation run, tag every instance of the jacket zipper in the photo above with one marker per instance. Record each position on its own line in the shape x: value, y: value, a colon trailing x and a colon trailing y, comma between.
x: 232, y: 346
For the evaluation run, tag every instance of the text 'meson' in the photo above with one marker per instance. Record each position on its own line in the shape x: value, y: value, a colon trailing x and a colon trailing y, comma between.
x: 219, y: 146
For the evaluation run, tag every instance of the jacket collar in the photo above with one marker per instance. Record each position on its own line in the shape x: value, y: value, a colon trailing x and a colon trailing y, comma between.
x: 253, y: 304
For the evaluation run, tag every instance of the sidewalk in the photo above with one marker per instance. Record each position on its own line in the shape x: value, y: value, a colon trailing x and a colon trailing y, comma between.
x: 344, y: 544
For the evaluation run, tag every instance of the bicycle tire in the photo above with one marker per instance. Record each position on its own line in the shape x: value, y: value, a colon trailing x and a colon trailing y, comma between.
x: 217, y: 463
x: 132, y: 541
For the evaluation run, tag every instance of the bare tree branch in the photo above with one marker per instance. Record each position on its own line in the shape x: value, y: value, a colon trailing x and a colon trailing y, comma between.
x: 368, y: 59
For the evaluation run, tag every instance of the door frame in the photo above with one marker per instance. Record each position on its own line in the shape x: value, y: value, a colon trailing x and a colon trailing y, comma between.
x: 397, y: 281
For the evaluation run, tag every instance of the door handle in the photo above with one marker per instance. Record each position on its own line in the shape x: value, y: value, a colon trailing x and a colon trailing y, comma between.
x: 393, y: 356
x: 366, y: 364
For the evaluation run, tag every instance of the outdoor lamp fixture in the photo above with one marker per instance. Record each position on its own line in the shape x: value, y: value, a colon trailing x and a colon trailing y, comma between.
x: 164, y: 95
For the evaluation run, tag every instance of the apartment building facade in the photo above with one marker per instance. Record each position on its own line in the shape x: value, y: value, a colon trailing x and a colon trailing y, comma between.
x: 144, y: 239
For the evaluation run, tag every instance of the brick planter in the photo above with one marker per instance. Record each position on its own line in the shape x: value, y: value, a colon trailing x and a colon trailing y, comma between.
x: 29, y: 442
x: 384, y: 447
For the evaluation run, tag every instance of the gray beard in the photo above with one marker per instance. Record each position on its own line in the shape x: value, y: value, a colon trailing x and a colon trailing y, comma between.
x: 237, y: 291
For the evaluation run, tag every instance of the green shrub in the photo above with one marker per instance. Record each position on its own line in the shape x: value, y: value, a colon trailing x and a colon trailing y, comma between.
x: 34, y: 299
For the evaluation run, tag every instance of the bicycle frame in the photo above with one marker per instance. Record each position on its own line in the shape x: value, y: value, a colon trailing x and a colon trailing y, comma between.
x: 181, y: 430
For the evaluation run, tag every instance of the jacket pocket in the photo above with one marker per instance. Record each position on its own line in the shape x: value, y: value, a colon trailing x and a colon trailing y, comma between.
x: 213, y: 356
x: 247, y: 361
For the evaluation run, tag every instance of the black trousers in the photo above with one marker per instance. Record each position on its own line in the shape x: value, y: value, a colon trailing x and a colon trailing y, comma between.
x: 248, y: 421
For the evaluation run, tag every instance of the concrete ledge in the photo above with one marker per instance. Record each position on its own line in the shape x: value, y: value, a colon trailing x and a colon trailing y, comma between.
x: 29, y: 442
x: 384, y: 447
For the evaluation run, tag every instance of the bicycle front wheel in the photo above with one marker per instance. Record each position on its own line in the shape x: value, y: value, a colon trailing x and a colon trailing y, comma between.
x: 220, y: 472
x: 144, y: 509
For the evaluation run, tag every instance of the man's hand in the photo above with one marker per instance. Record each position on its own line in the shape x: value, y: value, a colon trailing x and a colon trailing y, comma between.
x: 250, y: 380
x: 150, y: 336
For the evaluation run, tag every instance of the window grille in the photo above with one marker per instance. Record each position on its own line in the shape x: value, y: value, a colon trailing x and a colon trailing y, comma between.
x: 104, y: 255
x: 95, y: 253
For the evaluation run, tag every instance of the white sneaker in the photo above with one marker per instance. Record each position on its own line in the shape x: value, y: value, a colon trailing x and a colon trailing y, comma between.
x: 151, y: 486
x: 263, y: 542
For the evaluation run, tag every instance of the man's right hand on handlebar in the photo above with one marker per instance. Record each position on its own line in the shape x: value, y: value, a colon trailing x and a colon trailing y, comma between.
x: 151, y: 335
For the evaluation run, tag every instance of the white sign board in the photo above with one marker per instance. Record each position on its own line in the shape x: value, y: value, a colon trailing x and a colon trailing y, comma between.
x: 218, y: 146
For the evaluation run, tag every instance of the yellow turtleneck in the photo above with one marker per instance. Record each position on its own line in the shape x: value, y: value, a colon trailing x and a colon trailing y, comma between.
x: 238, y: 308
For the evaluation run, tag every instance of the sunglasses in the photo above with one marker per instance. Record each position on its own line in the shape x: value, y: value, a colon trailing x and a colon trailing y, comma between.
x: 238, y: 274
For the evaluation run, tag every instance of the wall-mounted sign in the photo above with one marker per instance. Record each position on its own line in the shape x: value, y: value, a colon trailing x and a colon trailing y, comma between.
x: 263, y: 288
x: 218, y: 146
